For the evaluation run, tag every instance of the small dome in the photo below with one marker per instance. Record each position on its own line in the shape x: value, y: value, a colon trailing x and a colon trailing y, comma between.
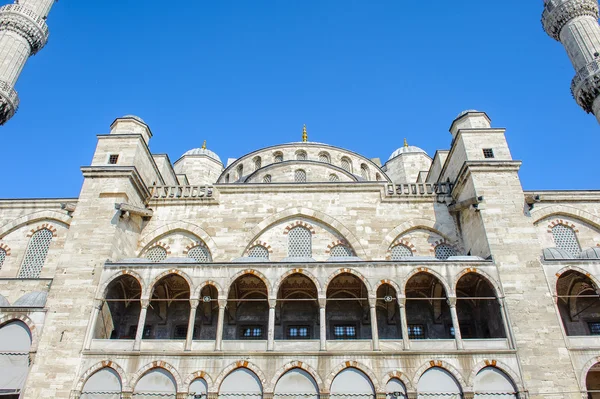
x: 203, y: 151
x: 466, y: 112
x: 406, y: 150
x: 137, y: 118
x: 556, y: 254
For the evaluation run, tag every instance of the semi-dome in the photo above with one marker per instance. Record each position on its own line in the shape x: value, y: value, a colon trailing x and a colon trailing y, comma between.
x: 203, y: 151
x: 405, y: 149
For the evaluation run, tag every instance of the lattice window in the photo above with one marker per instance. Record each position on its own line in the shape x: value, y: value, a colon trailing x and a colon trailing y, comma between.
x: 277, y: 157
x: 444, y: 251
x: 300, y: 176
x: 267, y: 179
x: 301, y: 156
x: 400, y: 251
x: 324, y: 157
x: 37, y: 250
x: 340, y: 251
x: 364, y: 172
x: 488, y: 153
x: 2, y: 257
x: 258, y: 251
x: 566, y: 239
x: 200, y: 254
x: 299, y: 243
x: 344, y: 332
x: 257, y: 163
x: 416, y: 331
x: 346, y: 165
x: 334, y: 178
x: 156, y: 254
x: 113, y: 159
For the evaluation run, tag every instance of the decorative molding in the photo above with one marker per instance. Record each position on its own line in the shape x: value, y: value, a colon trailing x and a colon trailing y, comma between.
x: 562, y: 223
x: 299, y: 223
x: 556, y: 17
x: 9, y: 102
x: 45, y: 226
x: 259, y: 243
x: 159, y: 244
x: 5, y: 248
x: 26, y: 23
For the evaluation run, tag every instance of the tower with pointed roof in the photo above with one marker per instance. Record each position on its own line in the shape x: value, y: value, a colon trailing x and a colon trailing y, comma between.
x: 23, y: 32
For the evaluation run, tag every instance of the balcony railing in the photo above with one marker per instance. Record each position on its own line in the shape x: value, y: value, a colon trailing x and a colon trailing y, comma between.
x: 180, y: 192
x: 418, y: 189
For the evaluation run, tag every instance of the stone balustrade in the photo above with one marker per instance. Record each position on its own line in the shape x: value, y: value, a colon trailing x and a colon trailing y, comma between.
x: 418, y: 189
x: 181, y: 192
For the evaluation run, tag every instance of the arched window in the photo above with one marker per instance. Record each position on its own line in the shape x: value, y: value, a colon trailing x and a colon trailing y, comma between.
x: 347, y: 164
x: 592, y: 382
x: 427, y: 311
x: 300, y: 243
x: 240, y: 172
x: 156, y: 383
x: 347, y: 310
x: 2, y: 257
x: 267, y: 179
x: 198, y: 389
x: 479, y: 313
x: 104, y: 383
x: 278, y: 157
x: 120, y: 312
x: 258, y: 251
x: 241, y: 384
x: 437, y: 383
x: 395, y: 389
x: 247, y: 309
x: 352, y: 383
x: 334, y: 178
x: 491, y: 383
x: 364, y: 172
x: 300, y: 176
x: 400, y: 251
x: 578, y: 305
x: 324, y: 157
x: 297, y: 309
x: 566, y: 239
x: 301, y: 155
x: 37, y: 250
x: 340, y: 251
x: 170, y: 304
x: 444, y: 251
x: 200, y: 253
x: 156, y: 254
x: 296, y: 384
x: 257, y: 163
x: 389, y: 325
x: 15, y: 343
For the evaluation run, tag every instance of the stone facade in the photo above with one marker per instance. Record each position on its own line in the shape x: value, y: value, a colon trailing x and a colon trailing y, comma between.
x: 207, y: 279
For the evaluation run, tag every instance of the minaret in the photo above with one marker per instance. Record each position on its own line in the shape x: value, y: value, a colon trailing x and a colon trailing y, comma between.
x: 574, y: 23
x: 23, y: 32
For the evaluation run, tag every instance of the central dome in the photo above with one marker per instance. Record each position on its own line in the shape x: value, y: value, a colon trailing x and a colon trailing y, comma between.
x: 203, y: 151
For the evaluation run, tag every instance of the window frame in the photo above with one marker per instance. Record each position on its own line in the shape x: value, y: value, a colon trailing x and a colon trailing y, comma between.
x: 298, y: 337
x: 242, y: 328
x: 410, y: 329
x: 345, y: 336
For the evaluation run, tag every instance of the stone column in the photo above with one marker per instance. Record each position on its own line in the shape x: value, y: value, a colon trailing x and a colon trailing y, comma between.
x: 404, y: 322
x: 322, y: 324
x: 374, y: 330
x: 271, y: 327
x: 455, y: 324
x: 90, y: 333
x: 141, y: 323
x: 511, y: 343
x: 190, y: 331
x: 220, y: 321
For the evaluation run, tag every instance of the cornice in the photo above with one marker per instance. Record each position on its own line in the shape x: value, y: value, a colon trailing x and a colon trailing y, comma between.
x: 109, y: 171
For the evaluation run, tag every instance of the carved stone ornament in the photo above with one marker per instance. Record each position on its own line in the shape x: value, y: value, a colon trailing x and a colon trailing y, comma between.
x: 26, y: 23
x: 555, y: 17
x: 586, y: 86
x: 9, y: 102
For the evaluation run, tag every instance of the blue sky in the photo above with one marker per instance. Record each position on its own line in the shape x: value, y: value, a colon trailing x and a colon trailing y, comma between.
x: 245, y: 74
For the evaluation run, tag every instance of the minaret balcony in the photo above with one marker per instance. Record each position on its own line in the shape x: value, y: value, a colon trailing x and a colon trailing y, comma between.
x: 557, y: 13
x: 9, y: 102
x: 25, y: 22
x: 585, y: 86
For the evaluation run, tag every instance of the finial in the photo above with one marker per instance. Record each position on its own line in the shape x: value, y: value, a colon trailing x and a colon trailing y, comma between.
x: 204, y: 145
x: 304, y: 135
x: 405, y: 142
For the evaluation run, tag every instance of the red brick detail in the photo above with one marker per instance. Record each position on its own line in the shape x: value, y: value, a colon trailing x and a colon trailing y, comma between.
x: 301, y: 224
x: 563, y: 223
x: 43, y: 226
x: 5, y: 248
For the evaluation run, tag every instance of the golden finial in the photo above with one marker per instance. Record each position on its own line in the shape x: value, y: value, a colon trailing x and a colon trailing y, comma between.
x: 405, y: 142
x: 304, y: 135
x: 204, y: 145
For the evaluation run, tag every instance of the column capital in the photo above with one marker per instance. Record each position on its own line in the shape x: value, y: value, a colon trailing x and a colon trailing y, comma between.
x: 145, y: 303
x: 272, y: 303
x: 222, y: 303
x: 322, y: 302
x: 194, y: 303
x: 452, y: 301
x: 126, y: 395
x: 401, y: 301
x: 411, y: 395
x: 468, y: 395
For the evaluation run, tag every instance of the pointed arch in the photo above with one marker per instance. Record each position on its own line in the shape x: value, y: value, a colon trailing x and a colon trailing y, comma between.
x: 356, y: 365
x: 61, y: 218
x: 443, y: 230
x: 312, y: 214
x: 297, y: 364
x: 539, y: 213
x: 240, y: 364
x: 304, y: 272
x: 198, y: 289
x: 198, y: 374
x: 179, y: 226
x: 484, y: 275
x: 443, y: 365
x: 577, y: 269
x: 102, y: 291
x: 498, y: 365
x: 178, y: 272
x: 157, y: 364
x: 9, y: 317
x: 253, y: 272
x: 441, y: 279
x: 399, y: 291
x: 587, y: 367
x: 99, y: 366
x: 403, y: 377
x: 349, y: 271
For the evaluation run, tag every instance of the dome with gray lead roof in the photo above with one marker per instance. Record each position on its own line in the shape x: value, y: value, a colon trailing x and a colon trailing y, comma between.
x: 137, y: 118
x: 406, y: 149
x: 203, y: 151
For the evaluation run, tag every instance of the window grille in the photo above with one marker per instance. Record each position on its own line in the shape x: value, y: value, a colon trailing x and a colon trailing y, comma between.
x: 344, y: 332
x: 200, y: 254
x: 334, y: 178
x: 416, y: 331
x: 400, y: 251
x: 324, y: 157
x: 346, y: 165
x: 156, y: 254
x: 2, y: 257
x: 278, y: 157
x: 364, y: 172
x: 488, y: 153
x: 444, y: 251
x: 298, y: 332
x: 267, y: 179
x: 299, y: 243
x: 566, y: 239
x: 301, y: 156
x: 300, y: 176
x: 340, y: 251
x: 252, y: 332
x: 258, y: 251
x: 113, y: 159
x: 594, y: 327
x: 240, y: 172
x: 36, y: 253
x: 257, y: 163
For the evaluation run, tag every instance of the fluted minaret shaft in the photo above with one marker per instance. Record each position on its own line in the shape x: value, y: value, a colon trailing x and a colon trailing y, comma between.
x: 23, y: 32
x: 574, y: 23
